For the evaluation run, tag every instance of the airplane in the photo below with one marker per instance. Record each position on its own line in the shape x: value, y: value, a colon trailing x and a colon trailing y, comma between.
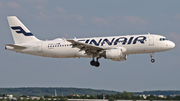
x: 115, y: 48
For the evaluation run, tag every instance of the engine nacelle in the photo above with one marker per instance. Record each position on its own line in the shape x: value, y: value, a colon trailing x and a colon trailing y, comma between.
x: 116, y: 54
x: 81, y: 54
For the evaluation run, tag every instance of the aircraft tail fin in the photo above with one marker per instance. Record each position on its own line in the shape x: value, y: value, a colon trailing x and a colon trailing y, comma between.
x: 19, y: 32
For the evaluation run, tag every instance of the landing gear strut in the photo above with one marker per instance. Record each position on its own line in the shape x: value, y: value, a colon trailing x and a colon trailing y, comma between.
x: 152, y: 60
x: 95, y: 63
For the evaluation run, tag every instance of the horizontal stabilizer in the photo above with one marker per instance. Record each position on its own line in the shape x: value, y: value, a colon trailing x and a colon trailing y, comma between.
x: 16, y: 46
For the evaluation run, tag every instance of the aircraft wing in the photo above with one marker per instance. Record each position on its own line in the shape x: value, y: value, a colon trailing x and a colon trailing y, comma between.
x: 89, y: 49
x: 16, y: 46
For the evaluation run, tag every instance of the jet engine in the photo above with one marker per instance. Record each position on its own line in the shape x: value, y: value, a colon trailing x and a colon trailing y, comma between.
x: 115, y: 54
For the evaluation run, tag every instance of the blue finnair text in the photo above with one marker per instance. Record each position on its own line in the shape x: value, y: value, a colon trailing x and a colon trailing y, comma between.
x: 115, y: 41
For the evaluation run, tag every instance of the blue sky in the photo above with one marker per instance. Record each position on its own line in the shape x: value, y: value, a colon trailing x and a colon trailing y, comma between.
x: 91, y: 18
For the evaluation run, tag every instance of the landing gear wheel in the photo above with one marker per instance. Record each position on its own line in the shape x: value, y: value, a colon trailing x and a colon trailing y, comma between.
x: 97, y: 64
x: 92, y: 63
x: 152, y: 60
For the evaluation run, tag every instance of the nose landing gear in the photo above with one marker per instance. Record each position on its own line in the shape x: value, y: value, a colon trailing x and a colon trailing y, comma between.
x: 152, y: 60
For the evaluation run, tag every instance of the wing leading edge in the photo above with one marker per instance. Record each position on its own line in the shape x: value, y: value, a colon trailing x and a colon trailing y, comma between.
x: 89, y: 49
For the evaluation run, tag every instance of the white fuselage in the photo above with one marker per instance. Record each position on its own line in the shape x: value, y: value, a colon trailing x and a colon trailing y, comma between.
x: 134, y: 44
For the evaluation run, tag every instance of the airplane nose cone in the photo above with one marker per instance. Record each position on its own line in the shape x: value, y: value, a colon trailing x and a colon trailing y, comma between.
x: 172, y: 45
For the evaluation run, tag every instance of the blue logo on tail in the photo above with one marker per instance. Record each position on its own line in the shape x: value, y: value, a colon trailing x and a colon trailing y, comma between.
x: 21, y: 31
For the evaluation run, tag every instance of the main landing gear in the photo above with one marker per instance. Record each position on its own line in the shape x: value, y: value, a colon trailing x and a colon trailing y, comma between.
x: 152, y: 60
x: 95, y: 63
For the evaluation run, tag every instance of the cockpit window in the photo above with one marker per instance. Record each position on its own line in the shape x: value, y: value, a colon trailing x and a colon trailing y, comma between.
x: 163, y: 39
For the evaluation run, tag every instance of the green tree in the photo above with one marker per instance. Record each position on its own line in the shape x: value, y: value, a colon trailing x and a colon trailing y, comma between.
x: 8, y: 99
x: 25, y: 99
x: 177, y: 98
x: 41, y: 99
x: 92, y: 96
x: 57, y: 99
x: 125, y: 95
x: 99, y: 96
x: 46, y: 99
x: 64, y: 99
x: 30, y: 99
x: 111, y: 99
x: 47, y: 96
x: 3, y: 99
x: 151, y: 97
x: 4, y: 95
x: 19, y: 99
x: 169, y: 98
x: 52, y: 99
x: 139, y: 98
x: 118, y: 96
x: 83, y: 97
x: 35, y: 99
x: 107, y: 96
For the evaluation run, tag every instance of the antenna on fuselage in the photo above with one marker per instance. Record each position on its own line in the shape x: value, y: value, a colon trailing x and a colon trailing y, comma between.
x: 148, y: 33
x: 64, y: 38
